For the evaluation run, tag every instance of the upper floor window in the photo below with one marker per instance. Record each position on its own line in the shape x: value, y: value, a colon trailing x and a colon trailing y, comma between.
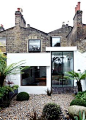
x: 56, y: 42
x: 34, y: 45
x: 3, y: 44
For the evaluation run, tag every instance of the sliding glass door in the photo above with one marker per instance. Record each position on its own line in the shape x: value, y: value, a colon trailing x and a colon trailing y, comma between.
x: 62, y: 62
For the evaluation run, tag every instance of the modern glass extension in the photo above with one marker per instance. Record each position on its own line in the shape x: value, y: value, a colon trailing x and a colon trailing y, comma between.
x: 62, y: 62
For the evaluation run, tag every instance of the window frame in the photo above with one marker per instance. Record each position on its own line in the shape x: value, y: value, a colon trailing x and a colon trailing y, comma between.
x: 34, y: 40
x: 31, y: 73
x: 57, y: 42
x: 2, y: 45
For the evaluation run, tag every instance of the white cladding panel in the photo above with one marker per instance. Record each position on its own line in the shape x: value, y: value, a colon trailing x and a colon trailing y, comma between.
x: 31, y: 59
x: 80, y: 63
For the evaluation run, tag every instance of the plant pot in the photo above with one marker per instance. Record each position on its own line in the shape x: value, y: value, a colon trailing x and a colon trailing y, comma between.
x: 12, y: 94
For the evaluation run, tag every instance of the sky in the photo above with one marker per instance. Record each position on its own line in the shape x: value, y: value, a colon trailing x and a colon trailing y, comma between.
x: 45, y: 15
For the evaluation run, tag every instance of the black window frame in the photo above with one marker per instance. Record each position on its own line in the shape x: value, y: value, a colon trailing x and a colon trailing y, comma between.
x: 34, y: 50
x: 62, y: 69
x: 35, y: 74
x: 51, y: 41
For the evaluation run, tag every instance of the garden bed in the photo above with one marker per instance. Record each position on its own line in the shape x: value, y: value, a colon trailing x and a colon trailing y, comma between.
x: 6, y: 99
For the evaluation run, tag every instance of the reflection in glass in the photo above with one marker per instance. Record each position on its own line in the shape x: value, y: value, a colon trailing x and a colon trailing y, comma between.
x: 2, y: 41
x: 61, y: 62
x: 55, y: 41
x: 34, y: 76
x: 34, y: 45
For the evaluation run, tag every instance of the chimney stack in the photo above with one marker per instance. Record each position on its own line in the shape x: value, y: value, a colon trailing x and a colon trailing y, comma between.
x: 19, y: 19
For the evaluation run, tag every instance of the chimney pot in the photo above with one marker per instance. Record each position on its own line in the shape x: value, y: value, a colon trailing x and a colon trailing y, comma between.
x: 78, y: 5
x: 18, y: 9
x: 75, y: 9
x: 1, y: 25
x: 28, y: 25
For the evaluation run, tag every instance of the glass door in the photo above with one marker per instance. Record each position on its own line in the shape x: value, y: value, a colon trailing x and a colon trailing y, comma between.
x: 61, y: 63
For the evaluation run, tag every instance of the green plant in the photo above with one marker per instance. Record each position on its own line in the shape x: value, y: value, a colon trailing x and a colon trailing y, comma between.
x: 2, y: 92
x: 22, y: 96
x: 49, y: 92
x: 6, y: 89
x: 78, y: 102
x: 13, y: 68
x: 81, y: 116
x: 51, y: 111
x: 81, y: 95
x: 76, y: 76
x: 14, y: 87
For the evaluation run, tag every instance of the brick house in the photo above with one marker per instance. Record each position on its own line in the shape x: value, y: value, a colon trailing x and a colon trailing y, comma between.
x: 50, y: 55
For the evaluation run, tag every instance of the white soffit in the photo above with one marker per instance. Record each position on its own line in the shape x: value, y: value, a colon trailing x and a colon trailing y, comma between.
x: 61, y: 48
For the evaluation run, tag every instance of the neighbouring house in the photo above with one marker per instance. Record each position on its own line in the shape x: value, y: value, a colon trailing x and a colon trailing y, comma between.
x: 49, y: 55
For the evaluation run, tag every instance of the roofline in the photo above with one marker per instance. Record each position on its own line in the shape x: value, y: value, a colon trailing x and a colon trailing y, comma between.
x: 7, y: 29
x: 39, y: 31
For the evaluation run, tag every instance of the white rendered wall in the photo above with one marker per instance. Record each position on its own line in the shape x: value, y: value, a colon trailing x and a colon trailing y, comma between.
x: 43, y: 59
x: 31, y: 59
x: 80, y: 63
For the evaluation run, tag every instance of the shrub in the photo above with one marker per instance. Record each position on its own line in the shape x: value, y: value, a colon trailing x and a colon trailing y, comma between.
x: 79, y: 95
x: 22, y: 96
x: 78, y: 102
x: 83, y: 97
x: 51, y: 111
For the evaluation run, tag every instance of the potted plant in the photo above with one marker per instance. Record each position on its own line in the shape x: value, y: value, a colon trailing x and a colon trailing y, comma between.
x: 76, y: 76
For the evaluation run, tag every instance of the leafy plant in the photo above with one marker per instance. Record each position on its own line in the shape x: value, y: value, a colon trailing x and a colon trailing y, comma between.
x: 2, y: 92
x: 78, y: 102
x: 6, y: 89
x: 79, y: 94
x: 81, y: 116
x: 13, y: 68
x: 76, y: 76
x: 22, y: 96
x: 49, y: 92
x: 51, y: 111
x: 14, y: 87
x: 34, y: 116
x: 83, y: 97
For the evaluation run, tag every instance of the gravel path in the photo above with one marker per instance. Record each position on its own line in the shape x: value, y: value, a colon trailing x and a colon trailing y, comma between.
x: 23, y: 110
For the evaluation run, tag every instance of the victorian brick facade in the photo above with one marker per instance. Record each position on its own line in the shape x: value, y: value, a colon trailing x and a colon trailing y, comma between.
x: 18, y: 36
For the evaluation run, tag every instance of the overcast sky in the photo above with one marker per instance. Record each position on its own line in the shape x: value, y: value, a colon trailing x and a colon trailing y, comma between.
x: 45, y: 15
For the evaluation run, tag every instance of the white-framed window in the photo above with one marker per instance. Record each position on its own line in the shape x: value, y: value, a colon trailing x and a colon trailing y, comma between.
x: 34, y: 45
x: 56, y: 41
x: 3, y: 44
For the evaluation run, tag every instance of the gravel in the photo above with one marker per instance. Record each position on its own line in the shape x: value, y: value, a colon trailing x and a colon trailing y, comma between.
x: 24, y: 110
